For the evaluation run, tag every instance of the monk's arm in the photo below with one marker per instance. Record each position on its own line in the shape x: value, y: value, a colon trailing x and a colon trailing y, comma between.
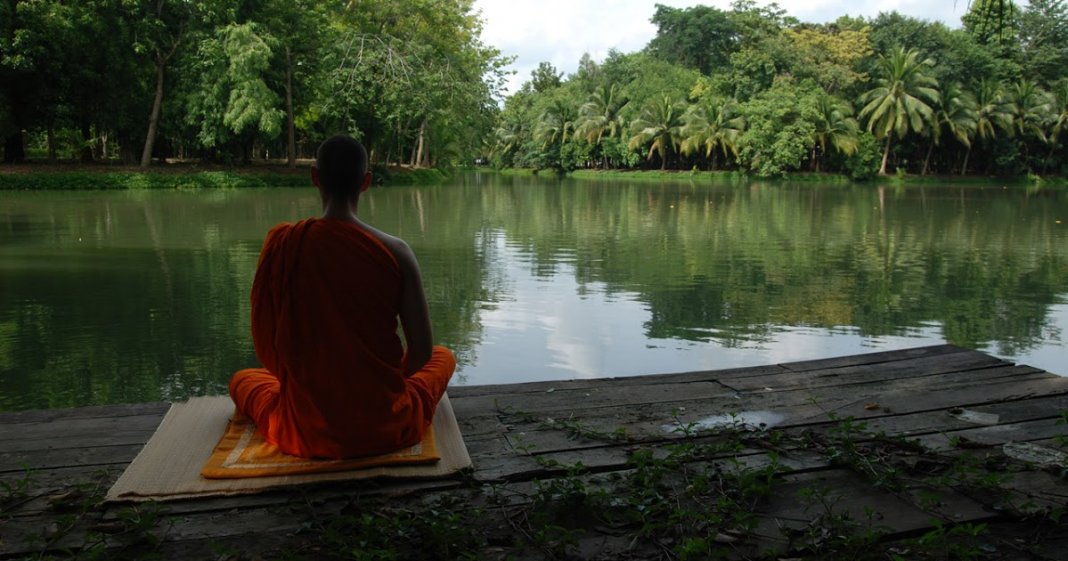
x: 414, y: 314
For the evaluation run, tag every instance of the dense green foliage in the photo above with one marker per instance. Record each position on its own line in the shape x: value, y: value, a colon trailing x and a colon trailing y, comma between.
x: 755, y: 90
x: 183, y: 177
x: 235, y: 80
x: 101, y: 181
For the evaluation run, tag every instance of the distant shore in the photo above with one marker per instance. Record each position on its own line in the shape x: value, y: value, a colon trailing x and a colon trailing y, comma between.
x: 64, y: 176
x: 70, y: 176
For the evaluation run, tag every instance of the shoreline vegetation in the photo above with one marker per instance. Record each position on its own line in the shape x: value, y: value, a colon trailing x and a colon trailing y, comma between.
x: 189, y: 176
x: 45, y: 176
x: 749, y: 88
x: 183, y: 176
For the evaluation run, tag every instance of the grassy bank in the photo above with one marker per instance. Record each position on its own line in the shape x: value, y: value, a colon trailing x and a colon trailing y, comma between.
x: 33, y: 177
x: 660, y: 175
x: 825, y: 178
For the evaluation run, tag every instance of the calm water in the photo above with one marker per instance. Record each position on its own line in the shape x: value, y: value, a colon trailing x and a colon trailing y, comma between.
x: 137, y: 296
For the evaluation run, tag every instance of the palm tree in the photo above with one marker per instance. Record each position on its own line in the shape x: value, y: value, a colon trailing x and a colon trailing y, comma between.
x: 1058, y: 115
x: 509, y: 136
x: 661, y: 122
x: 835, y: 124
x: 556, y: 124
x: 955, y: 112
x: 713, y: 123
x: 992, y: 112
x: 1031, y: 106
x: 599, y: 117
x: 902, y: 98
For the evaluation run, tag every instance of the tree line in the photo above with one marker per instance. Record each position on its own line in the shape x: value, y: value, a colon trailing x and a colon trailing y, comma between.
x: 754, y: 89
x: 229, y: 81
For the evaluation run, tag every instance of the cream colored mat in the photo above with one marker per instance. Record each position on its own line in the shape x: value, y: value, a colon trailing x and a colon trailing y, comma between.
x: 168, y: 467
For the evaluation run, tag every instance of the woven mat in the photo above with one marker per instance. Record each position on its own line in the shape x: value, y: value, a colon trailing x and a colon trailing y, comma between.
x: 243, y: 452
x: 169, y: 466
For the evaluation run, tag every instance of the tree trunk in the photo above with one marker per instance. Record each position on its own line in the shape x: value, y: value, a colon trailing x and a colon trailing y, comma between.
x: 886, y: 153
x: 50, y: 136
x: 14, y: 149
x: 421, y: 154
x: 87, y: 147
x: 153, y: 118
x: 927, y: 160
x: 291, y: 127
x: 964, y: 168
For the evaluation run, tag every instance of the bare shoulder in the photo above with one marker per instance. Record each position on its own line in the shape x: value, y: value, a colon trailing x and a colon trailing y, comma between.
x: 398, y: 247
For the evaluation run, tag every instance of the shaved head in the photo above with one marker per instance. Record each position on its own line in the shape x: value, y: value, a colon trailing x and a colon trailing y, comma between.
x: 342, y: 164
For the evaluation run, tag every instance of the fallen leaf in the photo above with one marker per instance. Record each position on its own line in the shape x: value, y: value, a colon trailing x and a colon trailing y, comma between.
x: 872, y: 406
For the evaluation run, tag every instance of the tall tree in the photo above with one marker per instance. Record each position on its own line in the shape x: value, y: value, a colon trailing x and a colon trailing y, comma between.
x: 600, y: 117
x: 710, y: 124
x: 902, y: 99
x: 698, y: 37
x: 954, y: 113
x: 163, y: 27
x: 412, y: 74
x: 31, y: 69
x: 1044, y: 39
x: 992, y: 21
x: 509, y: 135
x: 1031, y: 108
x: 299, y: 28
x: 835, y: 126
x: 830, y: 55
x: 781, y: 127
x: 1058, y: 115
x: 557, y: 123
x: 545, y: 77
x: 232, y: 104
x: 251, y: 107
x: 660, y: 125
x: 992, y: 113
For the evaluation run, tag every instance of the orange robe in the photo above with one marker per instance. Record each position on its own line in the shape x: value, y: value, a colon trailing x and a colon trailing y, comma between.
x: 325, y: 302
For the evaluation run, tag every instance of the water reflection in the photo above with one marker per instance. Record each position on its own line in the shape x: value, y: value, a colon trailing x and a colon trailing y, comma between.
x: 135, y: 296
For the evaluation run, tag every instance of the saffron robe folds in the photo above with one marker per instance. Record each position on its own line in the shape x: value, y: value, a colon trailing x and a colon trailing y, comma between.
x: 325, y: 302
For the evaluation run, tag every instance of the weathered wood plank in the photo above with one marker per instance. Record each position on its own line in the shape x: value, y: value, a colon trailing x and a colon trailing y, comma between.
x: 93, y: 411
x: 723, y: 375
x: 114, y: 437
x: 843, y: 492
x: 654, y: 422
x: 38, y: 460
x: 977, y: 365
x: 874, y: 358
x: 643, y: 380
x: 76, y: 432
x: 560, y: 400
x: 898, y: 392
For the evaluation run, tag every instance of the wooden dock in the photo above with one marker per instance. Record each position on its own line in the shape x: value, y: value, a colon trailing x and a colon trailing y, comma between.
x: 920, y: 453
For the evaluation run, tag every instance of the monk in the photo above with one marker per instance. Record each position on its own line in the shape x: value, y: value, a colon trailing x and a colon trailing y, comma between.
x: 337, y: 381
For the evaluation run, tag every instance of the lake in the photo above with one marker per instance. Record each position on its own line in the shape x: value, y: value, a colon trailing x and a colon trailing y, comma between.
x: 130, y: 296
